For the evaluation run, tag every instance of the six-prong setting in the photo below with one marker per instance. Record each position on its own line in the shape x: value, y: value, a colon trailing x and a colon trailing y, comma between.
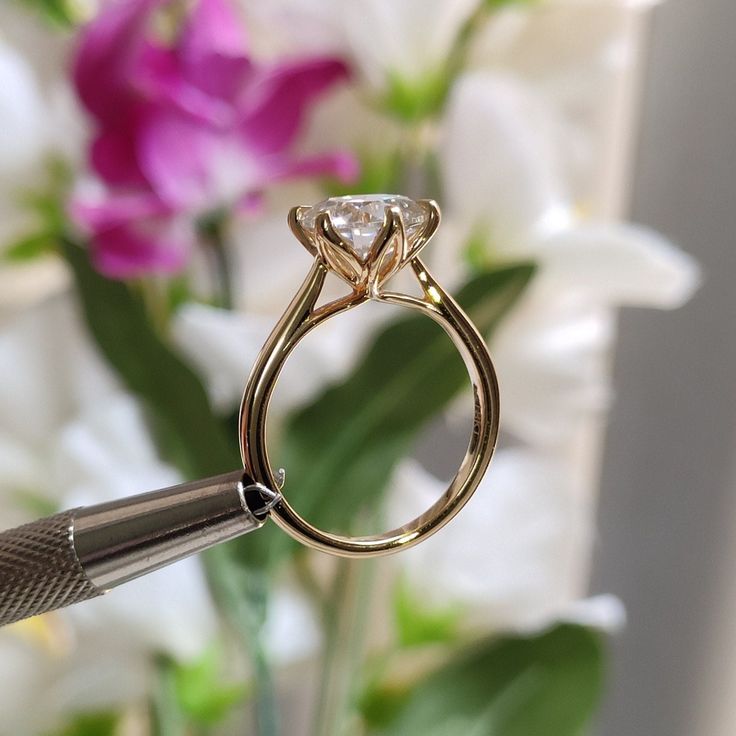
x: 365, y: 239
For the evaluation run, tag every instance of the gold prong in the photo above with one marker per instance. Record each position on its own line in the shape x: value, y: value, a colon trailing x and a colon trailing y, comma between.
x: 336, y: 252
x: 430, y: 227
x: 300, y: 233
x: 391, y: 233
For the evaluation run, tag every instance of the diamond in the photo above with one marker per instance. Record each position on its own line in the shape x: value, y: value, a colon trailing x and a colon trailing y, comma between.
x: 358, y: 219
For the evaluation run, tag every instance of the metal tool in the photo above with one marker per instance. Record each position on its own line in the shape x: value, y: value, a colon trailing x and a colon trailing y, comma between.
x: 80, y: 554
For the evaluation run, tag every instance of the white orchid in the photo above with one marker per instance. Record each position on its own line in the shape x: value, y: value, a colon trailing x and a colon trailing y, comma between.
x: 223, y: 344
x: 504, y: 186
x: 405, y: 41
x: 77, y: 439
x: 512, y: 559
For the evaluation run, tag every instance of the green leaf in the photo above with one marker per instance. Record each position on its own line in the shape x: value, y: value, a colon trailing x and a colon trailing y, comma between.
x: 340, y: 450
x: 418, y: 625
x: 414, y: 100
x: 496, y: 4
x: 546, y: 685
x: 30, y: 247
x: 189, y: 434
x: 200, y: 690
x: 91, y: 724
x: 380, y: 704
x: 167, y: 717
x: 62, y: 13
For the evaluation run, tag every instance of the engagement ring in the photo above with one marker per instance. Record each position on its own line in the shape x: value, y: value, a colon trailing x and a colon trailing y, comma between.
x: 365, y: 240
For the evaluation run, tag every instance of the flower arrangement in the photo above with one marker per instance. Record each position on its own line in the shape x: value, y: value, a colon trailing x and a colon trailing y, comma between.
x: 148, y: 155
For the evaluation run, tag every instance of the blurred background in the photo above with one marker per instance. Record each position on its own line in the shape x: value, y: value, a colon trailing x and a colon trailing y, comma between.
x: 582, y: 154
x: 666, y: 517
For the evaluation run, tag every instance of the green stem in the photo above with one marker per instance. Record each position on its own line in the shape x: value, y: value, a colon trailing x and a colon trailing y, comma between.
x: 212, y: 230
x: 241, y: 593
x: 166, y: 716
x: 346, y: 618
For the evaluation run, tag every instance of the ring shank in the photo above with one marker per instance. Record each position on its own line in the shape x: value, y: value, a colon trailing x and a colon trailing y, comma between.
x: 300, y: 318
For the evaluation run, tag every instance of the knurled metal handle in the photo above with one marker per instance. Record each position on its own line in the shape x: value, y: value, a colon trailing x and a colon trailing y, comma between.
x: 79, y: 554
x: 40, y: 570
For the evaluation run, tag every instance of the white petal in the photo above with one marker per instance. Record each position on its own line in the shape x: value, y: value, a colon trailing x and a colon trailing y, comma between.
x: 22, y: 134
x: 223, y: 346
x: 618, y: 264
x: 511, y: 558
x: 291, y: 632
x: 604, y: 612
x: 107, y: 452
x: 408, y: 39
x: 552, y: 362
x: 49, y: 369
x: 168, y: 611
x: 498, y: 163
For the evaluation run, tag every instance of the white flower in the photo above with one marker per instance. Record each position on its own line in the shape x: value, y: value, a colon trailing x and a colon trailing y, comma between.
x: 223, y: 345
x: 500, y: 169
x: 291, y: 632
x: 407, y: 40
x: 37, y: 120
x: 552, y: 350
x: 511, y: 559
x: 82, y: 440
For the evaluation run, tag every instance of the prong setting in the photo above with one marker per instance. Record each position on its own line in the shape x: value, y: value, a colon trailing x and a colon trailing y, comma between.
x: 365, y: 239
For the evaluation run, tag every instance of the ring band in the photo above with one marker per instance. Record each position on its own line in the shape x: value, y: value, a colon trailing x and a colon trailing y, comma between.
x: 397, y: 228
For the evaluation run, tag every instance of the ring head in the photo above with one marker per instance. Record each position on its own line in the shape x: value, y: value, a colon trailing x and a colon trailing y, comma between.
x: 365, y: 239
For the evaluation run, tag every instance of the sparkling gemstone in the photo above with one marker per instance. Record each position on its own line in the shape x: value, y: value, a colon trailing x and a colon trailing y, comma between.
x: 359, y: 218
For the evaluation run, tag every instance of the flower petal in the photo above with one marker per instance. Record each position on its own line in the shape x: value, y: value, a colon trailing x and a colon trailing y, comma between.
x: 498, y: 161
x: 511, y: 559
x: 213, y: 49
x: 409, y: 40
x: 278, y: 100
x: 107, y: 55
x: 617, y: 264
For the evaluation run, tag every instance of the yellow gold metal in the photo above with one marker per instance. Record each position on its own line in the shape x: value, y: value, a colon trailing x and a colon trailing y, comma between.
x: 390, y: 251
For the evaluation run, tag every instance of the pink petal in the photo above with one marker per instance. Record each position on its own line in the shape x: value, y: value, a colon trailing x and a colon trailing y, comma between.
x: 113, y: 156
x: 175, y: 153
x: 277, y: 103
x: 107, y: 54
x: 159, y: 74
x: 213, y: 49
x: 133, y: 234
x: 128, y: 252
x: 115, y: 210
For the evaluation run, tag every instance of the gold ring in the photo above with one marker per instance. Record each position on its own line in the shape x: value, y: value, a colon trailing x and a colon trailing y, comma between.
x: 366, y: 240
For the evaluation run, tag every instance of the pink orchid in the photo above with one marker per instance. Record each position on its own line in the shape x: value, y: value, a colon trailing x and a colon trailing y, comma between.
x: 186, y: 129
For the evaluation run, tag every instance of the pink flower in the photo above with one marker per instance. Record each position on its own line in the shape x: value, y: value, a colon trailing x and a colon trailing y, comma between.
x: 186, y: 129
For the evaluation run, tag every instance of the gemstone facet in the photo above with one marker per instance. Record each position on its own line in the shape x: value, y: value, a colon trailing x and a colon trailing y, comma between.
x: 358, y: 219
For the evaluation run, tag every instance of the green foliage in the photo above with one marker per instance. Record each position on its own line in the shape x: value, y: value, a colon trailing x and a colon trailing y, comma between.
x: 189, y: 434
x: 545, y: 685
x: 343, y: 446
x: 496, y: 4
x: 381, y: 704
x: 61, y: 13
x: 200, y: 690
x: 91, y: 724
x: 411, y: 100
x: 416, y: 625
x: 30, y: 247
